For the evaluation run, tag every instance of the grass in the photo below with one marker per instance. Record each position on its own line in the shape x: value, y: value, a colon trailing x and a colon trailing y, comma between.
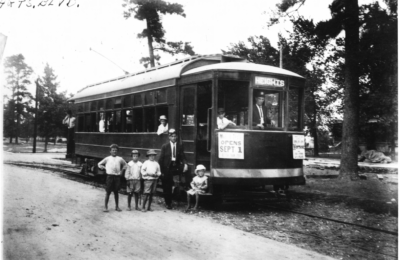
x: 27, y: 147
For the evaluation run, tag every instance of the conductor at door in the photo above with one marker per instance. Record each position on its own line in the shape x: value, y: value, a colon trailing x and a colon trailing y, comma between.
x: 260, y: 119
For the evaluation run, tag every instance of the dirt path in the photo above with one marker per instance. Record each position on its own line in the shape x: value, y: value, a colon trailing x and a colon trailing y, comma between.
x: 48, y: 217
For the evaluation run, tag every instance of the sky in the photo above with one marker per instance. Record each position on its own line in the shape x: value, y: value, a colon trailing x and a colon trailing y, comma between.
x: 63, y: 35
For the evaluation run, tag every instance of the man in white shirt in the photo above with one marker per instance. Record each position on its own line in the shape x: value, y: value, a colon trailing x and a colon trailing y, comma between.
x: 69, y: 121
x: 223, y: 122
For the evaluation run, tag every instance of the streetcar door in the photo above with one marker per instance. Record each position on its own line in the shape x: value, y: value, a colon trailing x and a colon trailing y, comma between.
x: 188, y: 122
x: 196, y: 103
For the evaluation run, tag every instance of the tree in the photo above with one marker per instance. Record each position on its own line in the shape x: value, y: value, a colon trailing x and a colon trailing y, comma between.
x: 151, y: 11
x: 52, y: 106
x: 17, y: 78
x: 378, y: 74
x: 344, y: 17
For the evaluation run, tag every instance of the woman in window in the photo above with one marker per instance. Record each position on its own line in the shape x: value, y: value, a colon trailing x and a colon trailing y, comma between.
x: 163, y: 127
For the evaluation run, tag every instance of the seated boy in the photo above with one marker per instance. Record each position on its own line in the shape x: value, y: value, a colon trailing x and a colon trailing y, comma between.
x: 133, y: 176
x: 150, y: 173
x: 114, y: 165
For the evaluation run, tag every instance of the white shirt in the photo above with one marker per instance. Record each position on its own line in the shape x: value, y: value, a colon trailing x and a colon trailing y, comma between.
x: 69, y: 121
x: 173, y: 158
x: 261, y: 114
x: 224, y: 122
x: 102, y: 127
x: 162, y: 129
x: 150, y: 170
x: 114, y: 165
x: 133, y: 170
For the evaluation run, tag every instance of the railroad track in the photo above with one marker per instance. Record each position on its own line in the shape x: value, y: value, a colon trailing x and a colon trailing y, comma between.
x: 253, y: 197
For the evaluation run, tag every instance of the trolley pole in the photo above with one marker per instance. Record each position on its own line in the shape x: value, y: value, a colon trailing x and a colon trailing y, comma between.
x: 36, y: 115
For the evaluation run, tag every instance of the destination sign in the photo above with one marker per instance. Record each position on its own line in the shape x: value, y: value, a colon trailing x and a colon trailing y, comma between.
x: 230, y: 145
x: 265, y: 81
x: 299, y: 147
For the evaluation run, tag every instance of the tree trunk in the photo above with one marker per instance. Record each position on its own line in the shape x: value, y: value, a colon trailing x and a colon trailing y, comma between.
x: 150, y: 44
x: 314, y: 134
x: 349, y: 164
x: 46, y: 140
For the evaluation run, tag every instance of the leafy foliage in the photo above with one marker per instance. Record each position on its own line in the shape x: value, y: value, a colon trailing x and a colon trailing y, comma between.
x: 52, y: 106
x: 151, y: 11
x: 17, y: 79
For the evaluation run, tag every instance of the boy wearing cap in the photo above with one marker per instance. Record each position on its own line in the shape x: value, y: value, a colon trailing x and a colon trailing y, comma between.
x: 150, y: 173
x: 172, y: 161
x: 199, y: 185
x: 222, y: 121
x: 113, y: 165
x: 260, y: 112
x: 133, y: 176
x: 163, y: 127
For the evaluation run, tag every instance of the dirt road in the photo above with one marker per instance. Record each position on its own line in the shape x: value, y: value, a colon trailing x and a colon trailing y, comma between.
x: 49, y: 217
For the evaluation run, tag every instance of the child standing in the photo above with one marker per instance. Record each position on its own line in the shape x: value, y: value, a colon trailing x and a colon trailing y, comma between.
x: 113, y: 165
x: 133, y: 176
x: 150, y: 173
x: 199, y: 185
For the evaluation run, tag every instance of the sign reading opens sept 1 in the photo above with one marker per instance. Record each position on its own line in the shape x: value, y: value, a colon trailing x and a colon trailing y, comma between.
x: 231, y: 145
x: 299, y: 147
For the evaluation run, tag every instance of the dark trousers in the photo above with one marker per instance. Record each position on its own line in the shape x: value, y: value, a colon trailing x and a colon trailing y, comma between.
x: 168, y: 182
x: 71, y: 141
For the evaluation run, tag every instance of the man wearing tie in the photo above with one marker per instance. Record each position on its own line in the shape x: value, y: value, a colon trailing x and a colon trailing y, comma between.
x: 172, y: 162
x: 260, y: 118
x: 69, y: 121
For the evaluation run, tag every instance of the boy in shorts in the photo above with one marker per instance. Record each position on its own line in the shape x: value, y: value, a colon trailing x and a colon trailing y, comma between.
x: 150, y: 173
x: 133, y: 176
x: 113, y: 165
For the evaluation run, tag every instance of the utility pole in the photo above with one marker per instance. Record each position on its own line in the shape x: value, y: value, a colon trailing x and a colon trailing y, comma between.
x: 36, y: 116
x: 280, y: 57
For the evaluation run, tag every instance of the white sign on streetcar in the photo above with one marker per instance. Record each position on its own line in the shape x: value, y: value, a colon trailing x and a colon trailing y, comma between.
x: 299, y: 147
x: 230, y: 145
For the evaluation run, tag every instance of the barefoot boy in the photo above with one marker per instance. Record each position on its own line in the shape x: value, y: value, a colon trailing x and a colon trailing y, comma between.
x: 132, y: 176
x: 150, y: 172
x: 114, y: 166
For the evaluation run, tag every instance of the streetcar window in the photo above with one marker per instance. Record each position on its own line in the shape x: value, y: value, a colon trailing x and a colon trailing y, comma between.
x: 149, y: 98
x: 80, y: 108
x: 272, y: 108
x: 80, y: 123
x: 161, y: 96
x: 138, y: 120
x: 93, y: 122
x: 87, y: 123
x: 294, y: 109
x: 149, y: 119
x: 137, y: 100
x: 127, y: 121
x: 93, y: 106
x: 109, y: 103
x: 86, y: 107
x: 188, y: 106
x: 233, y: 97
x: 127, y: 101
x: 101, y: 105
x: 110, y: 121
x: 117, y: 121
x: 117, y: 102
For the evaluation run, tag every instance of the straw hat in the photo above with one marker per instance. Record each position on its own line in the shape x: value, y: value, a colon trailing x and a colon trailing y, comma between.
x: 172, y: 131
x: 151, y: 152
x: 163, y: 118
x: 135, y: 152
x: 199, y: 168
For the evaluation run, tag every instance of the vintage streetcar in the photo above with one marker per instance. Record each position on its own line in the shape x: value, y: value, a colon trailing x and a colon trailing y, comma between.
x: 188, y: 92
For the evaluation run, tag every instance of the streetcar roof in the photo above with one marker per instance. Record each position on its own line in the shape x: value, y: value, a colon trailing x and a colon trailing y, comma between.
x: 246, y: 66
x: 167, y: 74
